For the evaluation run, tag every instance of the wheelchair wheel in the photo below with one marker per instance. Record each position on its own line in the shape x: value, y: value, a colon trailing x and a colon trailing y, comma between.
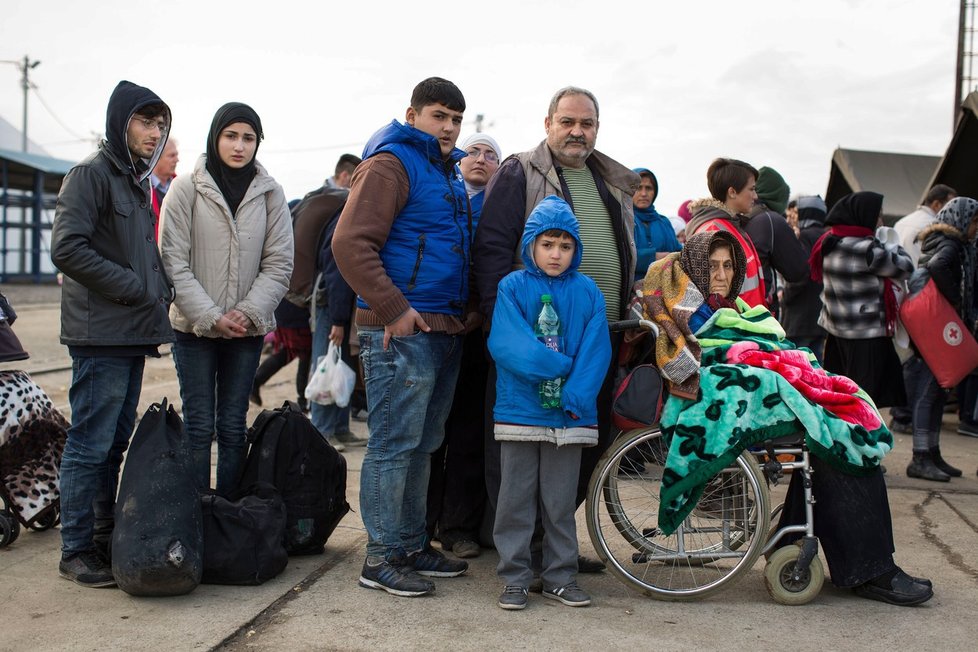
x: 720, y: 539
x: 47, y: 520
x: 7, y: 526
x: 787, y: 587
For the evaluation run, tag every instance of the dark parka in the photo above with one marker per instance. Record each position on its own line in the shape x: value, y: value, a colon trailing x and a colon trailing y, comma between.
x: 115, y: 291
x: 941, y: 255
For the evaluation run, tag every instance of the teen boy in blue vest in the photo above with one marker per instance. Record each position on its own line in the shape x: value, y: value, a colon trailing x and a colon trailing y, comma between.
x: 402, y: 243
x: 540, y: 448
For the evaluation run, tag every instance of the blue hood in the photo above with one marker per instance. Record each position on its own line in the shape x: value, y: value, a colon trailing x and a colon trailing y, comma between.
x: 551, y: 213
x: 648, y: 214
x: 396, y: 132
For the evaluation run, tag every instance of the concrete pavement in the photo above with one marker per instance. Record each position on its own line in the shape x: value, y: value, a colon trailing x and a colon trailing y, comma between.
x: 316, y: 604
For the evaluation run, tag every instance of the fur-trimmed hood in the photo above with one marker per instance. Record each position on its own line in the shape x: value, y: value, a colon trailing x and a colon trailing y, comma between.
x: 704, y: 210
x: 945, y: 229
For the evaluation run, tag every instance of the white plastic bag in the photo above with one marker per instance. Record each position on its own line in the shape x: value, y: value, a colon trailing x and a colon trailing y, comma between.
x: 333, y: 380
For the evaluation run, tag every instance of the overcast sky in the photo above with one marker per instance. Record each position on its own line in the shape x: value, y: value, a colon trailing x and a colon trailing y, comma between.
x: 771, y: 82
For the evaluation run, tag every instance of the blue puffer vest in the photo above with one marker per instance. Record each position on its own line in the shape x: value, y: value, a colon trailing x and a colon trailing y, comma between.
x: 427, y: 250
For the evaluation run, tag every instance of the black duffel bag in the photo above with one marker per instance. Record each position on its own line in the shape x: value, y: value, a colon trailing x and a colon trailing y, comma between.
x: 157, y: 542
x: 244, y: 536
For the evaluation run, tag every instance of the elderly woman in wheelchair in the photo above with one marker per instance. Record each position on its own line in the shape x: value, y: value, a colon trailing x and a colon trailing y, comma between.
x: 681, y: 509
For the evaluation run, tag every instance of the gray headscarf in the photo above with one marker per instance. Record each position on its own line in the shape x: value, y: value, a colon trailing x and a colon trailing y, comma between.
x: 958, y: 214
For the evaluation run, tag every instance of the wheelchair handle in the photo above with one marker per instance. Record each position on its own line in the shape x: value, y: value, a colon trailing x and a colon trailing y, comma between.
x: 634, y: 324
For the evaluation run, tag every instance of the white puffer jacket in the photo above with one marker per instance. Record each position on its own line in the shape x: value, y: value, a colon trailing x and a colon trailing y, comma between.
x: 218, y: 262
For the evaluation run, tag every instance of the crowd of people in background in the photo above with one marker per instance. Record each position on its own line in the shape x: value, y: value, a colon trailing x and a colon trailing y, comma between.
x: 424, y: 263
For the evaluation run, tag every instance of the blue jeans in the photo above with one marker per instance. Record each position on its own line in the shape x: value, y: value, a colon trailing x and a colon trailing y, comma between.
x: 926, y: 400
x: 215, y: 377
x: 409, y: 394
x: 328, y: 419
x: 104, y: 395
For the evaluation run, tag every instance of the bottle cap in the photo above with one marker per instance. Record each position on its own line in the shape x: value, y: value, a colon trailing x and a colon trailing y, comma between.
x: 546, y: 298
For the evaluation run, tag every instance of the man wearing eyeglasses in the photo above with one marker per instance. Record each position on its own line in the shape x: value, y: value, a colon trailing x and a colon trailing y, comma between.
x: 599, y: 191
x: 114, y: 306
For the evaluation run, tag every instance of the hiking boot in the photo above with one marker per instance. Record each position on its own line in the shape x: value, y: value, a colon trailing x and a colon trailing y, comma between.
x: 466, y: 549
x: 570, y: 594
x: 922, y: 466
x: 513, y: 598
x: 86, y: 569
x: 431, y: 563
x: 379, y: 573
x: 349, y: 439
x: 942, y: 464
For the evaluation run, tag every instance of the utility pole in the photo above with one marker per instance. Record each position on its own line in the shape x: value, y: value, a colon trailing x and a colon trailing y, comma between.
x: 965, y: 74
x: 25, y: 83
x: 25, y: 67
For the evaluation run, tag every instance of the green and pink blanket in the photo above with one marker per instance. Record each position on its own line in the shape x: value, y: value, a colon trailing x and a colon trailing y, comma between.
x: 754, y: 385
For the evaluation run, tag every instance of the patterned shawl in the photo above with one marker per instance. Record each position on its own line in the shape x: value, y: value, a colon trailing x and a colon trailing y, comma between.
x: 675, y: 287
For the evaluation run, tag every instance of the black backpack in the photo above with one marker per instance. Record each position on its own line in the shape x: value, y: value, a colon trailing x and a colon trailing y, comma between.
x: 288, y: 451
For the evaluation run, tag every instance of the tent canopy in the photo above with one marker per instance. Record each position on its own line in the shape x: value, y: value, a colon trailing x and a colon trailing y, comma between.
x: 959, y: 167
x: 900, y: 178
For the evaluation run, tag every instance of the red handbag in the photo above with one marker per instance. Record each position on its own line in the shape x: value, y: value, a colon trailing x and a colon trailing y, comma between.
x: 941, y: 338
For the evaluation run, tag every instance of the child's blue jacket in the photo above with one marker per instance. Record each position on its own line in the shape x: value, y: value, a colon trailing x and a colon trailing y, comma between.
x: 523, y: 361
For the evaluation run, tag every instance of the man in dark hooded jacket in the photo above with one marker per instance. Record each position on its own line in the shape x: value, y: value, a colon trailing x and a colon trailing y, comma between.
x: 114, y: 307
x: 775, y: 241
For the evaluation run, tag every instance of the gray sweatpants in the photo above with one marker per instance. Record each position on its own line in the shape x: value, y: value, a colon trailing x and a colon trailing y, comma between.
x: 532, y: 474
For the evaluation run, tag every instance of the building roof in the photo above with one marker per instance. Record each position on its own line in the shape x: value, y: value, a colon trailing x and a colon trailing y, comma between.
x: 902, y: 179
x: 20, y: 169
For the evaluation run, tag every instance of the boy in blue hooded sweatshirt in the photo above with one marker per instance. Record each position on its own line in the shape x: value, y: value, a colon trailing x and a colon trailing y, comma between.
x: 541, y: 447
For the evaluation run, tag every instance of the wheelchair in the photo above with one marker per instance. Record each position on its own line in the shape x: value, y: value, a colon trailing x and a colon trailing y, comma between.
x: 722, y: 537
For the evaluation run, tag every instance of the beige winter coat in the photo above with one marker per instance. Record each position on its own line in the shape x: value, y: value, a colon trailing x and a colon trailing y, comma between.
x: 217, y: 262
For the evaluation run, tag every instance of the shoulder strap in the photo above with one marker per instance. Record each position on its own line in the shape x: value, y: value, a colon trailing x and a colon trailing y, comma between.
x: 265, y: 433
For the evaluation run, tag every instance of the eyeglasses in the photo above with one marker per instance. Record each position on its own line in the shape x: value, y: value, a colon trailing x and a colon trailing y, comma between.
x: 489, y: 155
x: 152, y: 123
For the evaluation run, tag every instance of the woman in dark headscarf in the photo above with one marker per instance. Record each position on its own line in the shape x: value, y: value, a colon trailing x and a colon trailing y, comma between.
x: 859, y: 307
x: 948, y: 256
x: 226, y: 240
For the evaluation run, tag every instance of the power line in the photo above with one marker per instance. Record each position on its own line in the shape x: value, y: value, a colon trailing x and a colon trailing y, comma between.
x: 54, y: 115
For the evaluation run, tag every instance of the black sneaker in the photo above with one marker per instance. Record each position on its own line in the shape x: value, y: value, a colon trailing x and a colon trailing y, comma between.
x: 902, y: 427
x: 380, y: 574
x: 431, y: 563
x: 570, y: 594
x: 588, y: 565
x: 350, y: 440
x: 513, y: 598
x: 86, y: 569
x: 968, y: 429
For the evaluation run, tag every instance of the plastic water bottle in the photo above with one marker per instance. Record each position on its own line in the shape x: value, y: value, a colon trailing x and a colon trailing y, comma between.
x: 548, y: 330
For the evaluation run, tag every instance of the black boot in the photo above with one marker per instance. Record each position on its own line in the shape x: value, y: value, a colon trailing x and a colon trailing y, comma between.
x: 943, y: 465
x: 922, y: 466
